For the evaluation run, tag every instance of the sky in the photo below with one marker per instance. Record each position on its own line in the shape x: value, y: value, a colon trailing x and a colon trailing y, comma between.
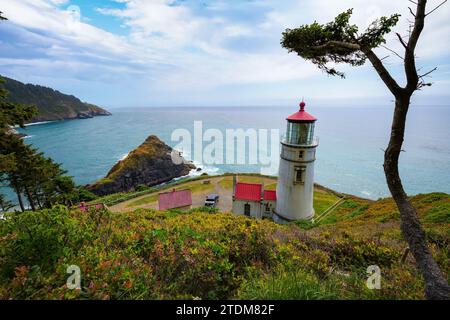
x: 144, y: 53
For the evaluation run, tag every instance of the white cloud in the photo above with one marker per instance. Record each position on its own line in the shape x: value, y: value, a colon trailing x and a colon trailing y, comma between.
x: 175, y: 47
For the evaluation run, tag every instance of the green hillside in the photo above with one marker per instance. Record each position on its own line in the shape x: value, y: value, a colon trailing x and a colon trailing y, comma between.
x: 148, y: 254
x: 51, y: 104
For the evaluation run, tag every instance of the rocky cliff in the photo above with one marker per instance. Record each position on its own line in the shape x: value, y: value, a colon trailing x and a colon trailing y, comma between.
x: 149, y: 164
x: 51, y: 104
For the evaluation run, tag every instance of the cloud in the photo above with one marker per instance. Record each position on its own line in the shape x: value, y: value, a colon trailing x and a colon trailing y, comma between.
x: 198, y: 48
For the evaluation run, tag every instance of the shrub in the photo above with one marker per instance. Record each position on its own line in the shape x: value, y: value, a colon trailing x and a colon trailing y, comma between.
x: 289, y: 285
x: 142, y: 187
x: 438, y: 214
x: 38, y: 239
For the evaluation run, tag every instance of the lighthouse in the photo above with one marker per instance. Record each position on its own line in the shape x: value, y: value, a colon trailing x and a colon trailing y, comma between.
x: 295, y: 186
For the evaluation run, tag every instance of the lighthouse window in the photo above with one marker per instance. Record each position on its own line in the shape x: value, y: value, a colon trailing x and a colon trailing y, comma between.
x: 300, y: 154
x: 300, y: 174
x: 300, y: 133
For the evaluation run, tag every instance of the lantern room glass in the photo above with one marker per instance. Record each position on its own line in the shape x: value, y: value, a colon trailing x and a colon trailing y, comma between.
x: 301, y: 133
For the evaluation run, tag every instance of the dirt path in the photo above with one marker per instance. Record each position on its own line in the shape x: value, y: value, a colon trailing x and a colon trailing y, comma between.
x: 219, y: 185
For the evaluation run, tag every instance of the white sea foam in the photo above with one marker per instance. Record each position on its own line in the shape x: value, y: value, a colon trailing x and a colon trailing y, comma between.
x: 210, y: 170
x: 366, y: 193
x: 34, y: 124
x: 38, y: 123
x: 124, y: 156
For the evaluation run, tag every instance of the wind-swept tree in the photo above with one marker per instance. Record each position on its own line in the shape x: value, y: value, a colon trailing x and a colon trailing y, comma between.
x: 340, y: 42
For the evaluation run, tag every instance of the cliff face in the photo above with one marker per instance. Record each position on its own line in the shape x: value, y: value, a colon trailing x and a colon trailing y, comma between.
x: 150, y: 164
x: 51, y: 104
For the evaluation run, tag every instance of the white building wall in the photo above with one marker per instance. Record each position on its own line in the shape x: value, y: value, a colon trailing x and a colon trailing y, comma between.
x: 295, y: 199
x: 271, y: 206
x: 255, y: 208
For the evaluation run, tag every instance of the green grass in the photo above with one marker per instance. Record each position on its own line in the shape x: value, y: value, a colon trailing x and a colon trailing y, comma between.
x: 199, y: 187
x: 329, y: 219
x: 227, y: 181
x: 357, y: 212
x: 272, y: 186
x: 433, y: 197
x: 322, y: 201
x: 145, y: 200
x: 289, y: 285
x: 438, y: 214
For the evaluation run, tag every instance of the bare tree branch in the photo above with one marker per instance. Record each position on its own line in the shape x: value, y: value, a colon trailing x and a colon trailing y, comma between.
x: 410, y: 10
x: 402, y: 41
x: 413, y: 2
x: 435, y: 8
x: 392, y: 52
x: 346, y: 45
x: 427, y: 73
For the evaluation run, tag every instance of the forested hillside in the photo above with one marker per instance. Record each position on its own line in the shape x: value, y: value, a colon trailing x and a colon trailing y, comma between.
x: 51, y: 104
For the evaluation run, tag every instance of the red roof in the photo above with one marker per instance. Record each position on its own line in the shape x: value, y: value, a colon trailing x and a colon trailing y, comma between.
x: 270, y: 195
x: 248, y: 191
x: 301, y: 115
x: 174, y: 199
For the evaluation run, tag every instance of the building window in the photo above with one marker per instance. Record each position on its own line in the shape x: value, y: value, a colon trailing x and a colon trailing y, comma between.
x: 300, y: 154
x: 267, y: 207
x: 247, y: 209
x: 300, y: 174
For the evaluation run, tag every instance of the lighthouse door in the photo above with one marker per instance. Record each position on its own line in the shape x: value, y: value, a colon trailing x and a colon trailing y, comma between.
x: 247, y: 209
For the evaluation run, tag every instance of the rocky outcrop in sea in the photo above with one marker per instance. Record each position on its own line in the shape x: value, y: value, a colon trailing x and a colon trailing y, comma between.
x: 152, y: 163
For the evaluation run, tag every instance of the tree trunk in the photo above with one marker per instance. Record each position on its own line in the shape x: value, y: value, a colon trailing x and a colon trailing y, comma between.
x: 30, y: 199
x: 38, y: 201
x: 19, y: 197
x: 436, y: 286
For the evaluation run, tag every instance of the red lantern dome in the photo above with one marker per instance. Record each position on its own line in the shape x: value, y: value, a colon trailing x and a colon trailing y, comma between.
x: 301, y: 115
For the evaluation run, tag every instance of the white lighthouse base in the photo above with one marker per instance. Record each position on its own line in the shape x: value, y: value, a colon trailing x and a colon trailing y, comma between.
x: 283, y: 220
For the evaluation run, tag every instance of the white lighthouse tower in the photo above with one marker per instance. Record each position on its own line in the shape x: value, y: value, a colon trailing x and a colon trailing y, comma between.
x: 295, y: 186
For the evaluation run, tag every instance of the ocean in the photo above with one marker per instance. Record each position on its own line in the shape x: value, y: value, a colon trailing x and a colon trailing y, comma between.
x: 349, y: 155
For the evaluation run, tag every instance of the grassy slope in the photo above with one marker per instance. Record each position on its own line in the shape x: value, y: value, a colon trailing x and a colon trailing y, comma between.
x: 147, y: 254
x: 322, y: 198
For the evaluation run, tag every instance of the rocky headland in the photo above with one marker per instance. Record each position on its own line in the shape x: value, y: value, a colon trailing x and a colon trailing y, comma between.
x: 152, y: 163
x: 51, y: 104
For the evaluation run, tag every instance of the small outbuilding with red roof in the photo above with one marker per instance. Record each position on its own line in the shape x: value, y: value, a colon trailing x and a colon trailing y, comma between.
x: 250, y: 199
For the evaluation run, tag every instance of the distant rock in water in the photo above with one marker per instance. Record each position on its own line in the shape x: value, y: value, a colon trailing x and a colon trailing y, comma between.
x: 152, y: 163
x: 51, y: 104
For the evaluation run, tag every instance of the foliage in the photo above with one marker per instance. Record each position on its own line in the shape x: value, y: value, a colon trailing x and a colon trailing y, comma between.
x: 289, y: 285
x: 142, y: 187
x: 5, y: 204
x: 439, y: 214
x: 149, y: 254
x: 38, y: 239
x: 50, y: 104
x: 12, y: 114
x: 324, y: 43
x: 26, y: 170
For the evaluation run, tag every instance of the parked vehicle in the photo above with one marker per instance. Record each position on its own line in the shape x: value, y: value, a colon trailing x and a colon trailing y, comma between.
x: 211, y: 200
